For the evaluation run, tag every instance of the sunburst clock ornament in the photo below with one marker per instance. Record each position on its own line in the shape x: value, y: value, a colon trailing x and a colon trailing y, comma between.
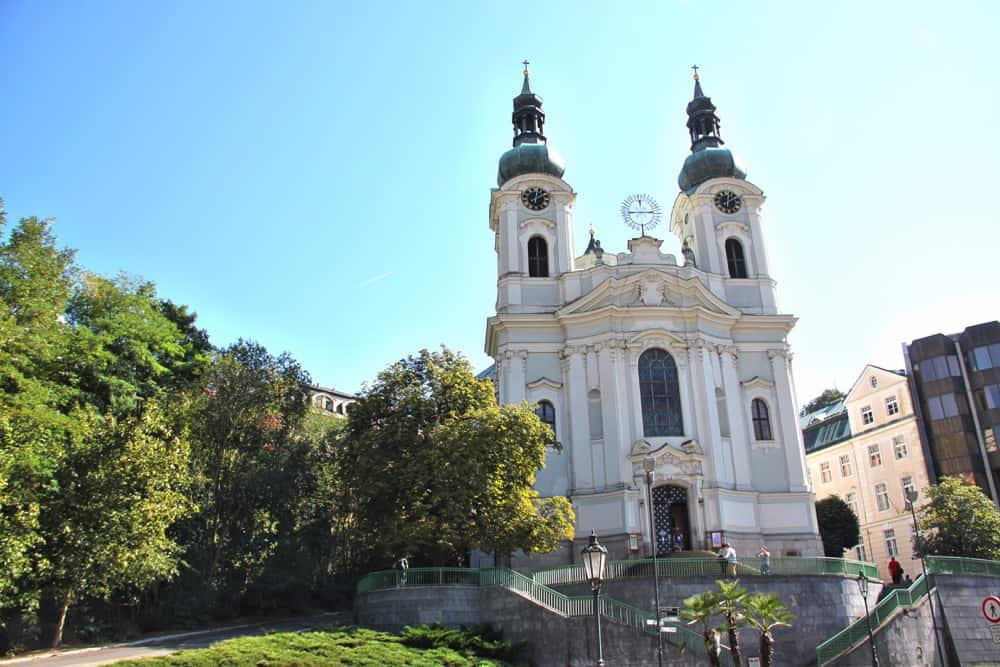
x: 641, y: 212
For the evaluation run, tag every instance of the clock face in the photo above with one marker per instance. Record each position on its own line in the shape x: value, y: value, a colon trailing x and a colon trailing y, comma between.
x: 535, y: 198
x: 728, y: 201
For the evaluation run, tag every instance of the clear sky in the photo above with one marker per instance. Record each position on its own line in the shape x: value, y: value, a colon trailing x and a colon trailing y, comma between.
x: 316, y: 175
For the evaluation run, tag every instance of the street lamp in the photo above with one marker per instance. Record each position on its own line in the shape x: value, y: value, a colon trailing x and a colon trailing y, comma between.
x: 863, y: 587
x: 911, y: 498
x: 594, y: 555
x: 649, y: 464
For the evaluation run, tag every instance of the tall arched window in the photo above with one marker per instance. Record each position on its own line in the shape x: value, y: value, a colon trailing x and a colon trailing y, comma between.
x: 538, y: 257
x: 659, y: 392
x: 734, y: 257
x: 547, y: 413
x: 761, y: 420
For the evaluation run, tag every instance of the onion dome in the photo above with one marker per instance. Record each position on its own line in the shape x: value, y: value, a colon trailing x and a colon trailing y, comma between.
x: 708, y: 159
x: 530, y: 154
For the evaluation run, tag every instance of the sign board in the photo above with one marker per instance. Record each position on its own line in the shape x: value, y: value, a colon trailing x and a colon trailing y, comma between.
x: 991, y: 608
x: 633, y: 542
x: 995, y: 630
x: 716, y: 539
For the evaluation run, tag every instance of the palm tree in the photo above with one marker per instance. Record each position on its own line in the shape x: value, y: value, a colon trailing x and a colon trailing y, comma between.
x: 731, y: 598
x: 765, y: 611
x: 700, y: 609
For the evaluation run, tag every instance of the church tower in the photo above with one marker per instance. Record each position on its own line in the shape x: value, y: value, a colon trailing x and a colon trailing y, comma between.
x: 651, y: 371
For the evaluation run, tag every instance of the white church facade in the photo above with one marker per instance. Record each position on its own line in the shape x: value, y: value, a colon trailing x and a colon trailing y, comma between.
x: 638, y: 360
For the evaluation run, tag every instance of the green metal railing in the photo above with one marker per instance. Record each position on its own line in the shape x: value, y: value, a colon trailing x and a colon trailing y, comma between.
x: 706, y: 567
x: 564, y: 605
x: 954, y: 565
x: 857, y: 632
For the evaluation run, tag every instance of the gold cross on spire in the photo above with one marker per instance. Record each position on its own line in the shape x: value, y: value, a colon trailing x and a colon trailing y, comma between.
x: 695, y: 68
x: 525, y: 63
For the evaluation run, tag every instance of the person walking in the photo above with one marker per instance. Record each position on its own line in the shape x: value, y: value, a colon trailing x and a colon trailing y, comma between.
x: 765, y: 560
x: 402, y: 565
x: 895, y: 570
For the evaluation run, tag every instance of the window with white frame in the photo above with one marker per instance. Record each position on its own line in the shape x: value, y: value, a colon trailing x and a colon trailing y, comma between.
x: 845, y: 465
x: 874, y: 455
x: 866, y: 415
x: 899, y: 446
x: 860, y: 552
x: 824, y: 472
x: 907, y: 484
x: 891, y: 547
x: 852, y: 501
x: 874, y: 382
x: 882, y: 496
x: 891, y: 406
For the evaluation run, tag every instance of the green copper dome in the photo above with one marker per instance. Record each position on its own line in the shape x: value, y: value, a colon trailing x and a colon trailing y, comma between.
x: 530, y: 159
x: 709, y: 163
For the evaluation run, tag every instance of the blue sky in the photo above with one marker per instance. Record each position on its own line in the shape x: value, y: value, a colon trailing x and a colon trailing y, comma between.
x: 316, y: 175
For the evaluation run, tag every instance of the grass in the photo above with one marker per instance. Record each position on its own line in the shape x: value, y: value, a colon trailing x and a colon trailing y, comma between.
x: 417, y: 647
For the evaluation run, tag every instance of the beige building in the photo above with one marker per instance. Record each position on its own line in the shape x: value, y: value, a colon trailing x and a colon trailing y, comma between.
x: 866, y: 450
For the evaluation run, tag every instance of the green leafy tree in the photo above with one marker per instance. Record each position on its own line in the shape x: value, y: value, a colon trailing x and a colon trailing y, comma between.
x: 247, y: 465
x: 959, y: 520
x: 765, y: 612
x: 432, y: 467
x: 119, y: 487
x: 701, y: 609
x: 838, y: 526
x: 730, y: 599
x: 36, y: 280
x: 827, y: 398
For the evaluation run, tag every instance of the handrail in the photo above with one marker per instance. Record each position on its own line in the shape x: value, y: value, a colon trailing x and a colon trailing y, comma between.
x: 569, y: 606
x: 857, y: 632
x: 707, y: 567
x: 959, y: 565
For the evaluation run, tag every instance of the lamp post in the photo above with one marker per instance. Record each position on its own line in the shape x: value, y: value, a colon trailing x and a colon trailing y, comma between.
x: 863, y: 587
x: 649, y: 464
x: 911, y: 497
x: 594, y: 555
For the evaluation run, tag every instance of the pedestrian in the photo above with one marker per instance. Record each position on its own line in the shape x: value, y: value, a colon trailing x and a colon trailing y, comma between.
x: 895, y: 570
x: 907, y: 580
x: 765, y: 560
x: 728, y: 558
x: 679, y: 540
x: 402, y: 565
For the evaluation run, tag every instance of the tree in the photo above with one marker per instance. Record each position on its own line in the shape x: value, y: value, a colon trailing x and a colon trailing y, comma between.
x: 432, y: 467
x: 701, y: 609
x: 120, y: 486
x: 827, y: 398
x: 765, y: 612
x: 838, y: 526
x: 731, y: 598
x: 247, y: 461
x: 36, y: 279
x: 960, y: 521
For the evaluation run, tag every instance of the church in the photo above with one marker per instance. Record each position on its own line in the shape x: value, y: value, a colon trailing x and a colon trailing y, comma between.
x: 651, y: 371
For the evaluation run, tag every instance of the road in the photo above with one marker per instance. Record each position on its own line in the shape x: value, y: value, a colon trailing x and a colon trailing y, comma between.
x: 167, y: 644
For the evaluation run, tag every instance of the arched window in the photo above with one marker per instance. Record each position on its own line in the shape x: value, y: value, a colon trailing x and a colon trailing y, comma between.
x: 660, y: 394
x: 538, y: 257
x: 761, y: 420
x: 734, y: 257
x: 328, y: 405
x: 547, y: 413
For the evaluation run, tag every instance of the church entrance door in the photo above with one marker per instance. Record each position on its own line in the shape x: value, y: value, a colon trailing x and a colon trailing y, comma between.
x: 670, y: 513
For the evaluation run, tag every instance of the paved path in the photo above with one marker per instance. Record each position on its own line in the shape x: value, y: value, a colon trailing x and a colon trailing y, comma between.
x: 167, y: 644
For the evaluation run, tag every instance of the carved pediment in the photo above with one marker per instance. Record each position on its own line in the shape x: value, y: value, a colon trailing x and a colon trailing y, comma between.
x: 651, y: 288
x: 670, y: 461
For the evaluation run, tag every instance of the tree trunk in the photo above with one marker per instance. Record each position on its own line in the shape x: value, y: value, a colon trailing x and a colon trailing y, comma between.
x: 766, y: 649
x: 52, y: 612
x: 734, y: 642
x: 712, y: 647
